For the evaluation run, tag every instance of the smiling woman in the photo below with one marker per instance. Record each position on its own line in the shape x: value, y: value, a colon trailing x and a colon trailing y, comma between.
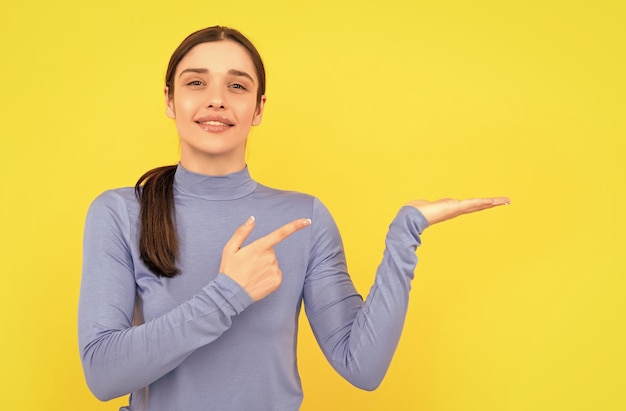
x: 214, y: 106
x: 193, y: 281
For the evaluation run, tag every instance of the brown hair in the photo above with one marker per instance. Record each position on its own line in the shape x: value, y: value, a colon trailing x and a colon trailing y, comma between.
x: 215, y: 33
x: 158, y: 241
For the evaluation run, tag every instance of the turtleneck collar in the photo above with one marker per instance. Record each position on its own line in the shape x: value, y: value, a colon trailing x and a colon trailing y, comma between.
x: 228, y: 187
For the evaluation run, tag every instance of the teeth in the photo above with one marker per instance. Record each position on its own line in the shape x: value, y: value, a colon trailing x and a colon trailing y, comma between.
x: 213, y: 123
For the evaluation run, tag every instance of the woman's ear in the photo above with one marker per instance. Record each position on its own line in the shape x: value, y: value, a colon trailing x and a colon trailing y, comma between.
x: 169, y: 104
x: 258, y: 113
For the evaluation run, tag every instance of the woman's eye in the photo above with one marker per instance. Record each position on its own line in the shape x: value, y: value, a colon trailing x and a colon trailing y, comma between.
x: 194, y: 83
x: 238, y: 86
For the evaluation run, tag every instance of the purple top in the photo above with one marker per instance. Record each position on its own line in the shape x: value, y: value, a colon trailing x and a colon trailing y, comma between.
x: 197, y: 341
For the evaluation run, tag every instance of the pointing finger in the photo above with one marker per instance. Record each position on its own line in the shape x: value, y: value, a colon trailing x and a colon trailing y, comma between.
x: 283, y: 232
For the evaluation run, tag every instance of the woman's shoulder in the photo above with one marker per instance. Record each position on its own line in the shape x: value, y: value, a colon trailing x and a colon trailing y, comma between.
x: 280, y: 199
x: 264, y: 191
x: 117, y: 200
x: 116, y: 195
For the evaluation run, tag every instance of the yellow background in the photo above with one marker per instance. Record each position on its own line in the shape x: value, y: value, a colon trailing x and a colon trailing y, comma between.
x: 370, y: 104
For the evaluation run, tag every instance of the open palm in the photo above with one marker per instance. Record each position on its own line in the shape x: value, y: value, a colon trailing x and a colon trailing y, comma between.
x: 447, y: 208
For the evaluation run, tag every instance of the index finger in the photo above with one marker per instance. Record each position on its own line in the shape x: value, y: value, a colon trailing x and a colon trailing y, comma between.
x: 283, y: 232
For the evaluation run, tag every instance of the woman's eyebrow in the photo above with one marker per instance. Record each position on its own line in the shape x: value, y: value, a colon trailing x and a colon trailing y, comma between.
x: 233, y: 72
x: 194, y: 70
x: 240, y: 74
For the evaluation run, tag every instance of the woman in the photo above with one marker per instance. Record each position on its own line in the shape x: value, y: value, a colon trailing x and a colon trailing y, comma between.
x: 190, y: 303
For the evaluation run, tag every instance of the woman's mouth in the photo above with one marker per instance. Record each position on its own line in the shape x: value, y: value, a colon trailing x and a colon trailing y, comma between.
x: 214, y: 125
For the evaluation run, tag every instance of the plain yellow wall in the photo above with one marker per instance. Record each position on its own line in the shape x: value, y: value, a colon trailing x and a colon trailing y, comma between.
x: 370, y: 104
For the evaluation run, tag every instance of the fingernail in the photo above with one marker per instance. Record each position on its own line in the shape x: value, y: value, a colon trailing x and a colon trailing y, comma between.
x: 307, y: 222
x: 250, y: 220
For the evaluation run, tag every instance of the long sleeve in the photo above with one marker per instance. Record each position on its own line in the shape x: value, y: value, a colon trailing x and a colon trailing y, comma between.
x: 119, y: 358
x: 191, y: 342
x: 359, y: 338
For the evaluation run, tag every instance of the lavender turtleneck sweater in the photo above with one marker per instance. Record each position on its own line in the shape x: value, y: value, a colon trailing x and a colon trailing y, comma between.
x: 197, y: 342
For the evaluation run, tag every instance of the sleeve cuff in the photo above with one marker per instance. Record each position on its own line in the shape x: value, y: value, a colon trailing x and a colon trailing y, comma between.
x: 232, y: 292
x: 415, y: 216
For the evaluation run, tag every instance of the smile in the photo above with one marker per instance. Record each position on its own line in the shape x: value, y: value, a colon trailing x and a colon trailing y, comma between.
x: 214, y: 123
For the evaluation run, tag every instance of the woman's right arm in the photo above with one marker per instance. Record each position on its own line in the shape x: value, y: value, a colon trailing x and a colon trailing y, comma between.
x: 117, y: 357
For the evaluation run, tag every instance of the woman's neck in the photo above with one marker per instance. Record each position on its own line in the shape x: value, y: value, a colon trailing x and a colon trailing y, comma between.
x: 211, y: 187
x: 213, y: 167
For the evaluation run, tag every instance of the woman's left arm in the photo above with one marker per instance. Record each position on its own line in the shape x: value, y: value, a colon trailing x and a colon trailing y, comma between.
x: 359, y: 337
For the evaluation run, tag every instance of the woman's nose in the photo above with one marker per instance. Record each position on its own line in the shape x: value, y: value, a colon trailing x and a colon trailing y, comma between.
x: 215, y: 98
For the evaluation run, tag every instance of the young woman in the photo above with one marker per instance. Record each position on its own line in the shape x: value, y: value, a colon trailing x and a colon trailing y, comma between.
x: 193, y: 280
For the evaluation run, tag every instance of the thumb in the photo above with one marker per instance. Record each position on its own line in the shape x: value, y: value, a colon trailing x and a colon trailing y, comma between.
x: 239, y: 236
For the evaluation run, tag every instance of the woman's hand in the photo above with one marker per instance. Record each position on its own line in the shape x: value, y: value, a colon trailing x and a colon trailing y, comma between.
x: 254, y: 267
x: 447, y: 209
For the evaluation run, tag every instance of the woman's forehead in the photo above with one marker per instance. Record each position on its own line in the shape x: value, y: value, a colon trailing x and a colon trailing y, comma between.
x: 218, y: 56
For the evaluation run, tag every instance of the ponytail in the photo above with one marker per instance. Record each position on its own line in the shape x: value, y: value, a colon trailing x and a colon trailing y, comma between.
x: 158, y: 241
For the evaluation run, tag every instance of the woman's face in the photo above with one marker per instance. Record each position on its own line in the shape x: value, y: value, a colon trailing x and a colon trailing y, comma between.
x: 214, y: 103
